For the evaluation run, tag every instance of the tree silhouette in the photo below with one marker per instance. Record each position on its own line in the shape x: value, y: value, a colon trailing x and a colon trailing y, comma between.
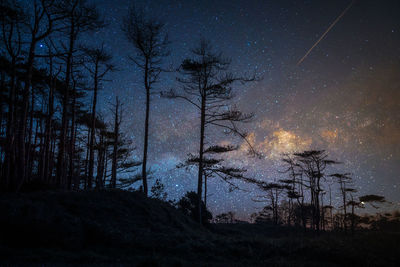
x: 117, y: 124
x: 12, y: 23
x: 273, y: 192
x: 79, y: 17
x: 47, y: 135
x: 207, y: 85
x: 216, y: 168
x: 343, y: 179
x: 353, y: 205
x: 123, y: 163
x: 294, y: 187
x: 148, y: 37
x: 228, y: 217
x: 98, y: 65
x: 312, y: 164
x: 188, y: 204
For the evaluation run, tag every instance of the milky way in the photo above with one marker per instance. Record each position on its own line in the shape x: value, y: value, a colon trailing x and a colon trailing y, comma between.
x: 344, y: 98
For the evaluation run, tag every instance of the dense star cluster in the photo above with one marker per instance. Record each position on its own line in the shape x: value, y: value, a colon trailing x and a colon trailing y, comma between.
x: 344, y: 97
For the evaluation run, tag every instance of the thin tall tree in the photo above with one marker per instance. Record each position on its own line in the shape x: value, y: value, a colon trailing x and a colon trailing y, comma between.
x: 98, y: 65
x: 150, y: 42
x: 207, y: 85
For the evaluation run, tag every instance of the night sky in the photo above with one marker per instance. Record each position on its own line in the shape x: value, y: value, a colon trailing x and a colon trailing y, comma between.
x: 344, y: 97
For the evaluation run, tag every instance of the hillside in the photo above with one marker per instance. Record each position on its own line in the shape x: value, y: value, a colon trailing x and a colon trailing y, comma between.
x: 124, y: 227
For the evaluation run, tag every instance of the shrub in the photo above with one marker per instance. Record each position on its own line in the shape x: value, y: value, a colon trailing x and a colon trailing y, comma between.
x: 189, y: 205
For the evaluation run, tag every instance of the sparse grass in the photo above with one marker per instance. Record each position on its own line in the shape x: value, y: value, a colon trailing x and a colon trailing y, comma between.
x: 115, y: 227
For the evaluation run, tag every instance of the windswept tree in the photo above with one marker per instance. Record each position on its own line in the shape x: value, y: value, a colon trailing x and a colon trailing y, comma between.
x: 312, y: 164
x: 294, y: 187
x: 206, y: 83
x: 98, y: 65
x: 353, y: 204
x: 215, y: 167
x: 372, y: 200
x: 150, y: 42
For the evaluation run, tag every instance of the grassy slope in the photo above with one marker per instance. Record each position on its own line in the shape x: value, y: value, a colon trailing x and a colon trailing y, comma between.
x: 123, y: 227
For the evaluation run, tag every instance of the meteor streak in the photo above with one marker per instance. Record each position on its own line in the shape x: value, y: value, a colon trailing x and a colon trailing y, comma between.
x: 323, y: 35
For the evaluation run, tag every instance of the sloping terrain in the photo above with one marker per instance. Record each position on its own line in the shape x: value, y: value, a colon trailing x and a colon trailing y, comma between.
x: 81, y: 221
x: 119, y: 227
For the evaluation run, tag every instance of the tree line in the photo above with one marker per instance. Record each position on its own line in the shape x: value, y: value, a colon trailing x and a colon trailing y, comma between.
x: 52, y: 134
x: 305, y: 198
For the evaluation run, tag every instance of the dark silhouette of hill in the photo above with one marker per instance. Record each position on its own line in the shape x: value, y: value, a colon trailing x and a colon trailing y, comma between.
x: 120, y: 227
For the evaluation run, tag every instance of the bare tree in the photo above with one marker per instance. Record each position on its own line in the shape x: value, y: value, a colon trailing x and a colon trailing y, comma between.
x: 148, y: 37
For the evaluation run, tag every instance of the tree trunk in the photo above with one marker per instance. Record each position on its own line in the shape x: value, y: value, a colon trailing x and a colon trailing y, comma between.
x: 100, y: 162
x: 146, y: 129
x: 115, y: 147
x: 72, y: 141
x: 201, y: 151
x: 93, y: 130
x: 21, y: 169
x: 64, y: 121
x: 9, y: 174
x: 344, y: 207
x: 29, y: 153
x: 352, y: 216
x: 48, y: 131
x: 205, y: 191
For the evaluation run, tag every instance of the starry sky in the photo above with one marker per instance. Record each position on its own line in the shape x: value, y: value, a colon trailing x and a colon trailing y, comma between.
x: 344, y: 97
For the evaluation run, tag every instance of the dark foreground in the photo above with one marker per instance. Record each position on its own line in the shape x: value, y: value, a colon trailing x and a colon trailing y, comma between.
x: 124, y: 228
